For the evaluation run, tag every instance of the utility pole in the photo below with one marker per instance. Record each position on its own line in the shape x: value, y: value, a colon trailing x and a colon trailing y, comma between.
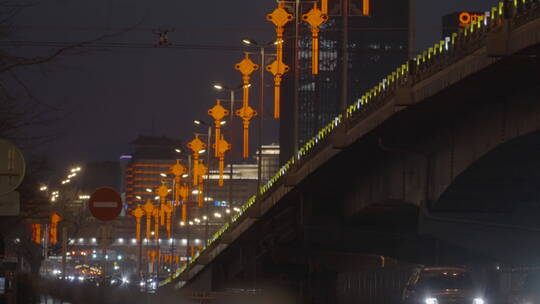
x: 345, y: 57
x: 231, y: 128
x: 208, y: 152
x: 139, y: 268
x: 261, y: 118
x: 412, y: 29
x: 64, y: 251
x: 296, y: 79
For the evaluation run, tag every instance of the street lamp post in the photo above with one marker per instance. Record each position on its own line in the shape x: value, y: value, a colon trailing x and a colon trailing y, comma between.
x: 231, y: 133
x: 262, y: 48
x: 207, y: 182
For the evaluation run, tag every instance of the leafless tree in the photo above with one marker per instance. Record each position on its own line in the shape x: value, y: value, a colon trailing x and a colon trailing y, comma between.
x: 21, y: 114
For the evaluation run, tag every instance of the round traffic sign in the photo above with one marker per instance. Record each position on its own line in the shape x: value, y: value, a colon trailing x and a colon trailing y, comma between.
x: 12, y: 167
x: 105, y: 204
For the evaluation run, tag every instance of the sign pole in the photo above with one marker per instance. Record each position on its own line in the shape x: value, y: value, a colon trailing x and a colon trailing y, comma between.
x: 64, y: 251
x: 140, y: 260
x: 104, y: 253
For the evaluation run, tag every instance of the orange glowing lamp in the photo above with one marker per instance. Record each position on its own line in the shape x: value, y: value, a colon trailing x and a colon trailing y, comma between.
x: 279, y: 17
x: 53, y: 235
x: 183, y: 191
x: 178, y: 170
x: 199, y: 175
x: 162, y: 191
x: 246, y: 67
x: 168, y: 209
x: 324, y: 6
x: 201, y: 171
x: 315, y: 17
x: 138, y: 214
x: 148, y: 208
x: 218, y: 112
x: 366, y: 9
x: 196, y: 145
x: 221, y: 147
x: 36, y: 233
x: 156, y: 213
x: 278, y: 69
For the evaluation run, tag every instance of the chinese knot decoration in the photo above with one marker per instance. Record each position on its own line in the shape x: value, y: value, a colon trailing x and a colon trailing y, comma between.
x: 221, y: 147
x: 315, y: 17
x: 279, y: 17
x: 246, y: 67
x: 218, y: 112
x: 181, y: 190
x: 138, y: 213
x: 199, y: 176
x: 196, y: 146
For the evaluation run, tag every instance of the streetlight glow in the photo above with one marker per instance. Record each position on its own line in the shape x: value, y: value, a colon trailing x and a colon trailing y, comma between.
x: 148, y: 190
x: 163, y: 174
x: 197, y: 122
x: 218, y: 87
x: 247, y: 41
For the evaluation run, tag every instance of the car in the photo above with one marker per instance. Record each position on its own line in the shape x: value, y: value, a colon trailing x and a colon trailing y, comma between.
x: 441, y: 285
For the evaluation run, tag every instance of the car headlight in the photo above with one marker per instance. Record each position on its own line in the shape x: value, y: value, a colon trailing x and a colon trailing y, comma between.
x: 478, y: 301
x: 431, y: 301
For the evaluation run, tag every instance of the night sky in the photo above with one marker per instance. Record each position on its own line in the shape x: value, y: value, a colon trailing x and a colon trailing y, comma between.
x: 113, y: 94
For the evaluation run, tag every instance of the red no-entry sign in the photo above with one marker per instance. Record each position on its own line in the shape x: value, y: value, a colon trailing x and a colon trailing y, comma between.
x: 105, y: 204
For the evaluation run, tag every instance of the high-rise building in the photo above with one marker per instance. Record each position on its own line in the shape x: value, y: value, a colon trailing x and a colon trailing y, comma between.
x: 152, y: 156
x: 360, y: 44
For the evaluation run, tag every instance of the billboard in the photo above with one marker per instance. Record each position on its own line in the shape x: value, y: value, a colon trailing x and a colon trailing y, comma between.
x: 454, y: 22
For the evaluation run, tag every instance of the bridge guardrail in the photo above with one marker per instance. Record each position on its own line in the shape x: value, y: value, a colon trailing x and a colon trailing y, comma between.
x: 443, y: 54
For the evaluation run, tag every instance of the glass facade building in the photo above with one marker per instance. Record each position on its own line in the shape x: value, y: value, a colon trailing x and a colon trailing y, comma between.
x: 374, y: 43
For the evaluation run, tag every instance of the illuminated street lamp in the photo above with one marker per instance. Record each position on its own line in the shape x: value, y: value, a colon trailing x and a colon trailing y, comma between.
x: 252, y: 43
x: 208, y: 141
x: 221, y: 87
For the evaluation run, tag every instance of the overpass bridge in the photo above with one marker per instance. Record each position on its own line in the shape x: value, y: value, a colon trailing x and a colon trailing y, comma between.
x: 439, y: 155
